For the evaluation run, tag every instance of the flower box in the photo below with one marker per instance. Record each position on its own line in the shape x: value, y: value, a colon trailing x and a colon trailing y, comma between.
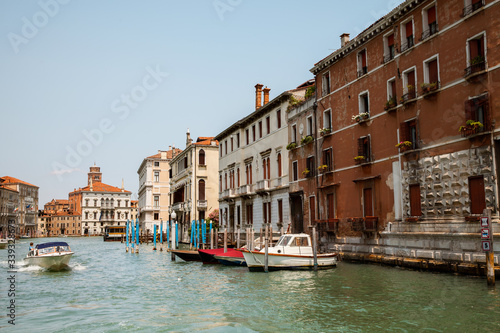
x: 471, y: 127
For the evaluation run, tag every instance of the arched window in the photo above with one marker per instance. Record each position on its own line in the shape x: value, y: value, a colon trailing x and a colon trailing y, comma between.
x: 201, y: 190
x: 201, y: 157
x: 279, y: 165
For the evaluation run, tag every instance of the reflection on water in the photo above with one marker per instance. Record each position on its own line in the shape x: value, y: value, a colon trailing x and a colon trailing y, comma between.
x: 109, y: 290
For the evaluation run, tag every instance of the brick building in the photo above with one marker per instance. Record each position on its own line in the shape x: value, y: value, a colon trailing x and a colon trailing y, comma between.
x: 404, y: 122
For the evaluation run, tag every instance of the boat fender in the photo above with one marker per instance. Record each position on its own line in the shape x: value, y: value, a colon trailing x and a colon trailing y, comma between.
x: 279, y: 251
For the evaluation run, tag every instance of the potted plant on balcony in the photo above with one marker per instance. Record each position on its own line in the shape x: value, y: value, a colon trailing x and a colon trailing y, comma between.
x: 306, y: 172
x: 477, y: 60
x: 307, y: 139
x: 404, y: 145
x: 359, y: 159
x: 471, y: 127
x: 323, y: 168
x: 391, y: 102
x: 428, y: 87
x: 360, y: 117
x: 325, y: 131
x: 291, y: 145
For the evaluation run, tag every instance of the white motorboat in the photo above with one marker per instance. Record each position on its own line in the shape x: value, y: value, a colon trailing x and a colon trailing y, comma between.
x: 292, y: 251
x: 54, y: 255
x: 3, y: 243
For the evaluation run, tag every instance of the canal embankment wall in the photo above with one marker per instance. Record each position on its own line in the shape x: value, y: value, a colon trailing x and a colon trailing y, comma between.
x: 441, y: 246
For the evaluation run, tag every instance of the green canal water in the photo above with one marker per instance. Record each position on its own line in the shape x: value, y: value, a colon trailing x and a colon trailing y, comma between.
x: 109, y: 290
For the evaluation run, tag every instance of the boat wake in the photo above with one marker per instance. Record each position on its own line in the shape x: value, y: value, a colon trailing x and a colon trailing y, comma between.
x: 77, y: 267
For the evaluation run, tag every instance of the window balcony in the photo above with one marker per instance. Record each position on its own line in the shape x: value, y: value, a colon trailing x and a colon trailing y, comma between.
x: 408, y: 44
x: 202, y: 204
x: 262, y: 185
x: 468, y: 10
x: 410, y: 96
x: 388, y: 57
x: 363, y: 71
x: 433, y: 29
x: 178, y: 206
x: 429, y: 88
x: 246, y: 189
x: 478, y: 66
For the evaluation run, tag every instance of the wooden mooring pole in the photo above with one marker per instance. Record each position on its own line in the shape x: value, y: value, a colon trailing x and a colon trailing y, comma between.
x: 315, y: 248
x: 266, y: 255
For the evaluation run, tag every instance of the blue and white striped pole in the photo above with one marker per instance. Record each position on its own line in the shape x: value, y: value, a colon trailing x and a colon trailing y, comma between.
x: 191, y: 239
x: 197, y: 234
x: 133, y: 234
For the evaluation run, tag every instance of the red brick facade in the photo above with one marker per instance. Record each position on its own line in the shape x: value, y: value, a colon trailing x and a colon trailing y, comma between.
x: 439, y: 61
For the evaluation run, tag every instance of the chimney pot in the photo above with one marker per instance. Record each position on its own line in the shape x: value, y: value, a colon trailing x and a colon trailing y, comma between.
x: 266, y: 95
x: 344, y: 39
x: 258, y: 95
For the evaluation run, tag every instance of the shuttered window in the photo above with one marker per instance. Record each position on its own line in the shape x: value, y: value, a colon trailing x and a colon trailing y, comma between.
x: 415, y: 203
x: 201, y: 190
x: 477, y: 109
x: 279, y: 165
x: 364, y: 147
x: 409, y: 29
x: 433, y: 71
x: 312, y: 210
x: 330, y: 202
x: 408, y: 132
x: 476, y: 195
x: 238, y: 176
x: 431, y: 15
x: 367, y: 202
x: 280, y: 210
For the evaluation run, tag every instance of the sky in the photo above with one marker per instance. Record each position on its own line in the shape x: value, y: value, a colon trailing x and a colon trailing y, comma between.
x: 112, y: 82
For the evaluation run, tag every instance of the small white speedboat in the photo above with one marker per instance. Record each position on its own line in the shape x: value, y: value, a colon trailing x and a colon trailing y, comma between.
x: 53, y: 256
x: 3, y: 243
x: 293, y: 251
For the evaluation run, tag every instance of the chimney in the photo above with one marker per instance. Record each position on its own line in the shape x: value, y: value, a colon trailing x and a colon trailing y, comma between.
x: 344, y: 39
x: 266, y: 95
x: 188, y: 138
x: 258, y: 95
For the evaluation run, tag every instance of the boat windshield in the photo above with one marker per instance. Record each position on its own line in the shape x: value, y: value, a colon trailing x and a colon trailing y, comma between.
x: 300, y: 241
x: 284, y: 240
x: 53, y: 249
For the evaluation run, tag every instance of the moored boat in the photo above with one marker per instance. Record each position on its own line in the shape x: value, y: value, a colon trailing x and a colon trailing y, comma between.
x: 210, y: 256
x: 187, y: 255
x: 53, y: 255
x: 3, y: 243
x: 231, y: 258
x: 293, y: 251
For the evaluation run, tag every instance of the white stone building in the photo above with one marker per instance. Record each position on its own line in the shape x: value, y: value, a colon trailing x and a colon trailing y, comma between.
x: 154, y: 188
x: 100, y: 205
x: 253, y: 165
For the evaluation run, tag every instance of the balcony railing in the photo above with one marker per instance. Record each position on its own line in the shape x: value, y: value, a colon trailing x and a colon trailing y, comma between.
x: 262, y: 185
x: 202, y: 204
x: 178, y: 206
x: 246, y: 189
x: 408, y: 44
x: 388, y: 57
x: 363, y: 71
x: 409, y: 96
x: 225, y: 193
x: 433, y: 29
x: 472, y: 8
x: 475, y: 68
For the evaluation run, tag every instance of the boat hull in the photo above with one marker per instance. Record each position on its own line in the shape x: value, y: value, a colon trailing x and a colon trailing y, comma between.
x: 52, y: 261
x: 256, y: 261
x: 187, y: 255
x: 231, y: 261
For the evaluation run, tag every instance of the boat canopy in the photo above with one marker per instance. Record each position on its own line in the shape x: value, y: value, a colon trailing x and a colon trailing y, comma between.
x: 51, y: 244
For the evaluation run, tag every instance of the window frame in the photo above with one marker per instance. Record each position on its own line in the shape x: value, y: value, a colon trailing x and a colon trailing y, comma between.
x: 404, y: 40
x: 361, y: 104
x: 326, y: 87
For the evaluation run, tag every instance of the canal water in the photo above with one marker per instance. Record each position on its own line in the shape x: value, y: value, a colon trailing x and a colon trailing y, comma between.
x: 109, y: 290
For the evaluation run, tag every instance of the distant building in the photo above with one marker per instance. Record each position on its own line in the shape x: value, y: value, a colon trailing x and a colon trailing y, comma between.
x: 134, y: 209
x: 253, y: 164
x: 193, y: 181
x: 9, y: 202
x: 154, y: 188
x: 27, y: 210
x: 100, y: 205
x: 56, y: 219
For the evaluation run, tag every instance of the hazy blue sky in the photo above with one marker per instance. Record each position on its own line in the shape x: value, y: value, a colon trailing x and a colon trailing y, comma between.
x: 114, y: 81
